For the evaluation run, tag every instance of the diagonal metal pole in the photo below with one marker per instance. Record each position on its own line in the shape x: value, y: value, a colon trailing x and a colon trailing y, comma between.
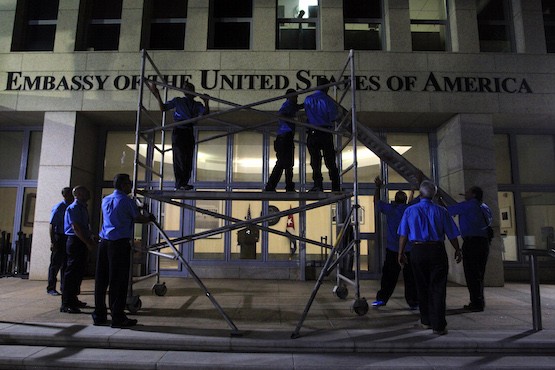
x: 234, y: 330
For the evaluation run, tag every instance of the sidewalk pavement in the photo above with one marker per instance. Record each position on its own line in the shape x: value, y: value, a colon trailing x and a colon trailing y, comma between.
x: 182, y: 329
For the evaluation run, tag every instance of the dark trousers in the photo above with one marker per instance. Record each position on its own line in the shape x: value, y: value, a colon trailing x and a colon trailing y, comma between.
x: 112, y: 270
x: 57, y: 262
x: 183, y: 146
x: 390, y: 275
x: 321, y: 144
x: 475, y: 257
x: 430, y: 267
x: 285, y: 148
x: 76, y: 264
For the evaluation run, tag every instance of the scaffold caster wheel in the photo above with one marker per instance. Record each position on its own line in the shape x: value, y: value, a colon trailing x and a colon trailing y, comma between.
x: 134, y: 304
x: 360, y: 306
x: 341, y: 291
x: 160, y: 289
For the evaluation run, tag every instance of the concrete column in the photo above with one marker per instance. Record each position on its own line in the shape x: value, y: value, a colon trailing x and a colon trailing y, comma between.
x: 263, y: 25
x: 466, y: 153
x: 331, y: 26
x: 197, y: 24
x: 131, y: 25
x: 61, y: 166
x: 397, y: 25
x: 7, y: 19
x: 66, y: 28
x: 528, y: 23
x: 55, y: 170
x: 463, y: 24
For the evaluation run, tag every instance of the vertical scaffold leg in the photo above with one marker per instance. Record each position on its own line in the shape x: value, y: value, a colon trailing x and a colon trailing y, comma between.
x: 234, y: 330
x: 328, y: 266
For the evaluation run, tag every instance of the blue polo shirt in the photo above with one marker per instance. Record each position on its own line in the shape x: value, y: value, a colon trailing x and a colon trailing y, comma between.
x: 118, y: 215
x: 288, y: 109
x: 394, y: 213
x: 57, y: 217
x: 474, y: 217
x: 77, y: 213
x: 320, y: 109
x: 185, y: 108
x: 427, y: 222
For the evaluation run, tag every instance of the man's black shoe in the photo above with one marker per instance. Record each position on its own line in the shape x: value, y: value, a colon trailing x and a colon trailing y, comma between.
x: 315, y: 189
x: 53, y: 292
x: 81, y: 304
x: 70, y: 309
x: 473, y: 308
x: 126, y: 323
x: 99, y: 320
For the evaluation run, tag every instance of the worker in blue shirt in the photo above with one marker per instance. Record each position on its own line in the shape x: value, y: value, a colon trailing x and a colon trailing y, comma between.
x: 426, y: 225
x: 321, y: 112
x: 79, y: 240
x: 119, y: 213
x: 391, y: 268
x: 474, y: 218
x: 183, y: 137
x: 58, y: 243
x: 284, y: 145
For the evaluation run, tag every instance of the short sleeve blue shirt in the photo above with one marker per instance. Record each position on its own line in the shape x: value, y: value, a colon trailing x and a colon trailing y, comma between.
x: 394, y: 213
x: 118, y: 214
x: 320, y: 109
x: 288, y: 109
x: 474, y: 217
x: 185, y: 108
x: 57, y: 217
x: 76, y: 213
x: 427, y: 222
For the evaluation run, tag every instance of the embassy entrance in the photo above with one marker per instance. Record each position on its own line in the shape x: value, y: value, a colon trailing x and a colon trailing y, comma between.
x: 241, y: 162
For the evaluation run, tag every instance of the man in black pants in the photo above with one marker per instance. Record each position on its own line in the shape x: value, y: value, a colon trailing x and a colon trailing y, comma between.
x: 474, y: 219
x: 183, y: 137
x: 321, y: 111
x: 284, y: 145
x: 428, y: 255
x: 391, y: 269
x: 58, y: 242
x: 79, y: 240
x: 119, y: 213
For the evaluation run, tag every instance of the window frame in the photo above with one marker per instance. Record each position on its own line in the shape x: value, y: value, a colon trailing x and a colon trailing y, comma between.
x: 149, y: 20
x: 300, y: 22
x: 363, y: 20
x: 23, y: 24
x: 509, y: 28
x: 213, y: 21
x: 85, y: 22
x: 447, y: 47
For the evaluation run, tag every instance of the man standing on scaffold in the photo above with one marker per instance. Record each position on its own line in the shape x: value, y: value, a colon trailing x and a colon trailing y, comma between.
x: 183, y: 136
x: 321, y: 111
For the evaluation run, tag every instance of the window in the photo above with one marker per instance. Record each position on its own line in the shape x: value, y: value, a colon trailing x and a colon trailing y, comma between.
x: 539, y: 215
x: 548, y: 7
x: 11, y: 143
x: 363, y: 24
x: 428, y: 25
x: 35, y: 25
x: 297, y: 24
x: 230, y: 24
x: 494, y: 28
x: 164, y: 24
x: 247, y: 149
x: 211, y: 156
x: 99, y: 25
x: 536, y: 159
x: 502, y: 159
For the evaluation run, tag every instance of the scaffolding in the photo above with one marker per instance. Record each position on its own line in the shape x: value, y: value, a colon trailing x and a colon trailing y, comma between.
x: 348, y: 236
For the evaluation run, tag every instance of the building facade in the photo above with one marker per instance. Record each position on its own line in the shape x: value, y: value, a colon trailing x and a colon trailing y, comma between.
x: 465, y: 89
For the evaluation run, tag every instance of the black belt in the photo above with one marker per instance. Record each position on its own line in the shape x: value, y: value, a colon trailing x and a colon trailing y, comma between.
x: 428, y: 244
